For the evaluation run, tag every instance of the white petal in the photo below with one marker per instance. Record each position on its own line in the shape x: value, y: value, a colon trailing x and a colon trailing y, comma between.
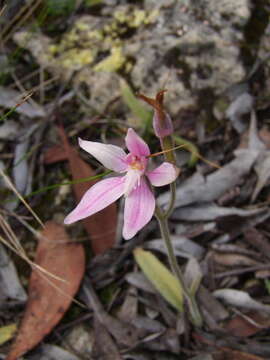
x: 110, y: 156
x: 132, y: 179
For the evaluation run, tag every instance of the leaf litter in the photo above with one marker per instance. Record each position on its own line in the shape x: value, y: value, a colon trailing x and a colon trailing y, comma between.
x: 220, y: 225
x: 11, y: 287
x: 52, y: 352
x: 10, y: 99
x: 187, y: 249
x: 49, y: 297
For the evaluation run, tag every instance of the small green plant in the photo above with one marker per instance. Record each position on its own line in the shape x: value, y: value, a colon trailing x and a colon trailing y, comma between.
x: 89, y: 3
x: 60, y: 7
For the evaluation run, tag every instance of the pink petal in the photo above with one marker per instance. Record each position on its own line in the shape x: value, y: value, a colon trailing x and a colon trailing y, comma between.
x: 135, y: 144
x: 139, y: 209
x: 164, y: 174
x: 162, y: 126
x: 97, y: 198
x: 110, y: 156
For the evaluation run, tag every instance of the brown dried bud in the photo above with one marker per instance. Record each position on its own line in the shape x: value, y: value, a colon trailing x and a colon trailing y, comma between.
x: 162, y: 122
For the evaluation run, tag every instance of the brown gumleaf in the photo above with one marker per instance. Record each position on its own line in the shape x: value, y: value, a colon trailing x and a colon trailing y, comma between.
x: 229, y: 354
x: 257, y: 240
x: 54, y: 154
x: 105, y: 347
x: 49, y: 297
x: 225, y: 353
x: 264, y: 135
x: 101, y: 226
x: 243, y: 327
x: 233, y: 260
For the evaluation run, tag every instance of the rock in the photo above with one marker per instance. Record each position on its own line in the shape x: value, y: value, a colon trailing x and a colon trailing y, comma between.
x: 103, y: 87
x: 195, y: 47
x: 192, y: 48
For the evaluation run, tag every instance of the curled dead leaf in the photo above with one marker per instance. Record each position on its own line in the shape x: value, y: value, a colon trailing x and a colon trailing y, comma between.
x: 227, y: 353
x: 54, y: 154
x: 233, y: 260
x: 248, y: 324
x: 240, y: 298
x: 49, y: 295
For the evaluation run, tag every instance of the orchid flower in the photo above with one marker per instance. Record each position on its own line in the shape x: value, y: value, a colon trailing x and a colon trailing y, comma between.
x: 134, y: 185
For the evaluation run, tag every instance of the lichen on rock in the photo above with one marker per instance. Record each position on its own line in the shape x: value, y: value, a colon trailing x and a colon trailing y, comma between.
x: 191, y: 48
x: 93, y: 44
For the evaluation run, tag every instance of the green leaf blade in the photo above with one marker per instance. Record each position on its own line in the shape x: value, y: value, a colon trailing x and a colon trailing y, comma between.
x: 162, y: 279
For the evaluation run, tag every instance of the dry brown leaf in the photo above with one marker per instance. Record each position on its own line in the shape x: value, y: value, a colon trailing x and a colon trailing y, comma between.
x: 249, y: 325
x: 54, y: 154
x: 262, y: 274
x: 257, y: 240
x: 225, y: 353
x: 101, y: 226
x: 229, y: 354
x: 49, y: 297
x: 124, y: 333
x: 264, y: 135
x: 105, y: 347
x: 233, y: 260
x: 211, y: 304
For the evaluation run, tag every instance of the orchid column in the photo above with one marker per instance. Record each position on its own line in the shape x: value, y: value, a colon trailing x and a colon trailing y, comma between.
x: 163, y: 129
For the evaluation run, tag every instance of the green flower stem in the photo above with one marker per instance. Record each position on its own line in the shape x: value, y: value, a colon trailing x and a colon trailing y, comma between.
x: 167, y: 143
x: 195, y: 315
x: 170, y: 208
x: 162, y: 217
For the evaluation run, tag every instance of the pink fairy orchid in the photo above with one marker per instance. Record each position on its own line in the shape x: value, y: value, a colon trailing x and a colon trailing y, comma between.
x: 139, y: 199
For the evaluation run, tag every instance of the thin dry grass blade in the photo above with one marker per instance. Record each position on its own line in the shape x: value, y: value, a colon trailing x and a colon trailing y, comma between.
x: 12, y: 187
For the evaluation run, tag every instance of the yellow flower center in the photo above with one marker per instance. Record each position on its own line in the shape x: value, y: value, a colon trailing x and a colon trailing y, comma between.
x: 136, y: 165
